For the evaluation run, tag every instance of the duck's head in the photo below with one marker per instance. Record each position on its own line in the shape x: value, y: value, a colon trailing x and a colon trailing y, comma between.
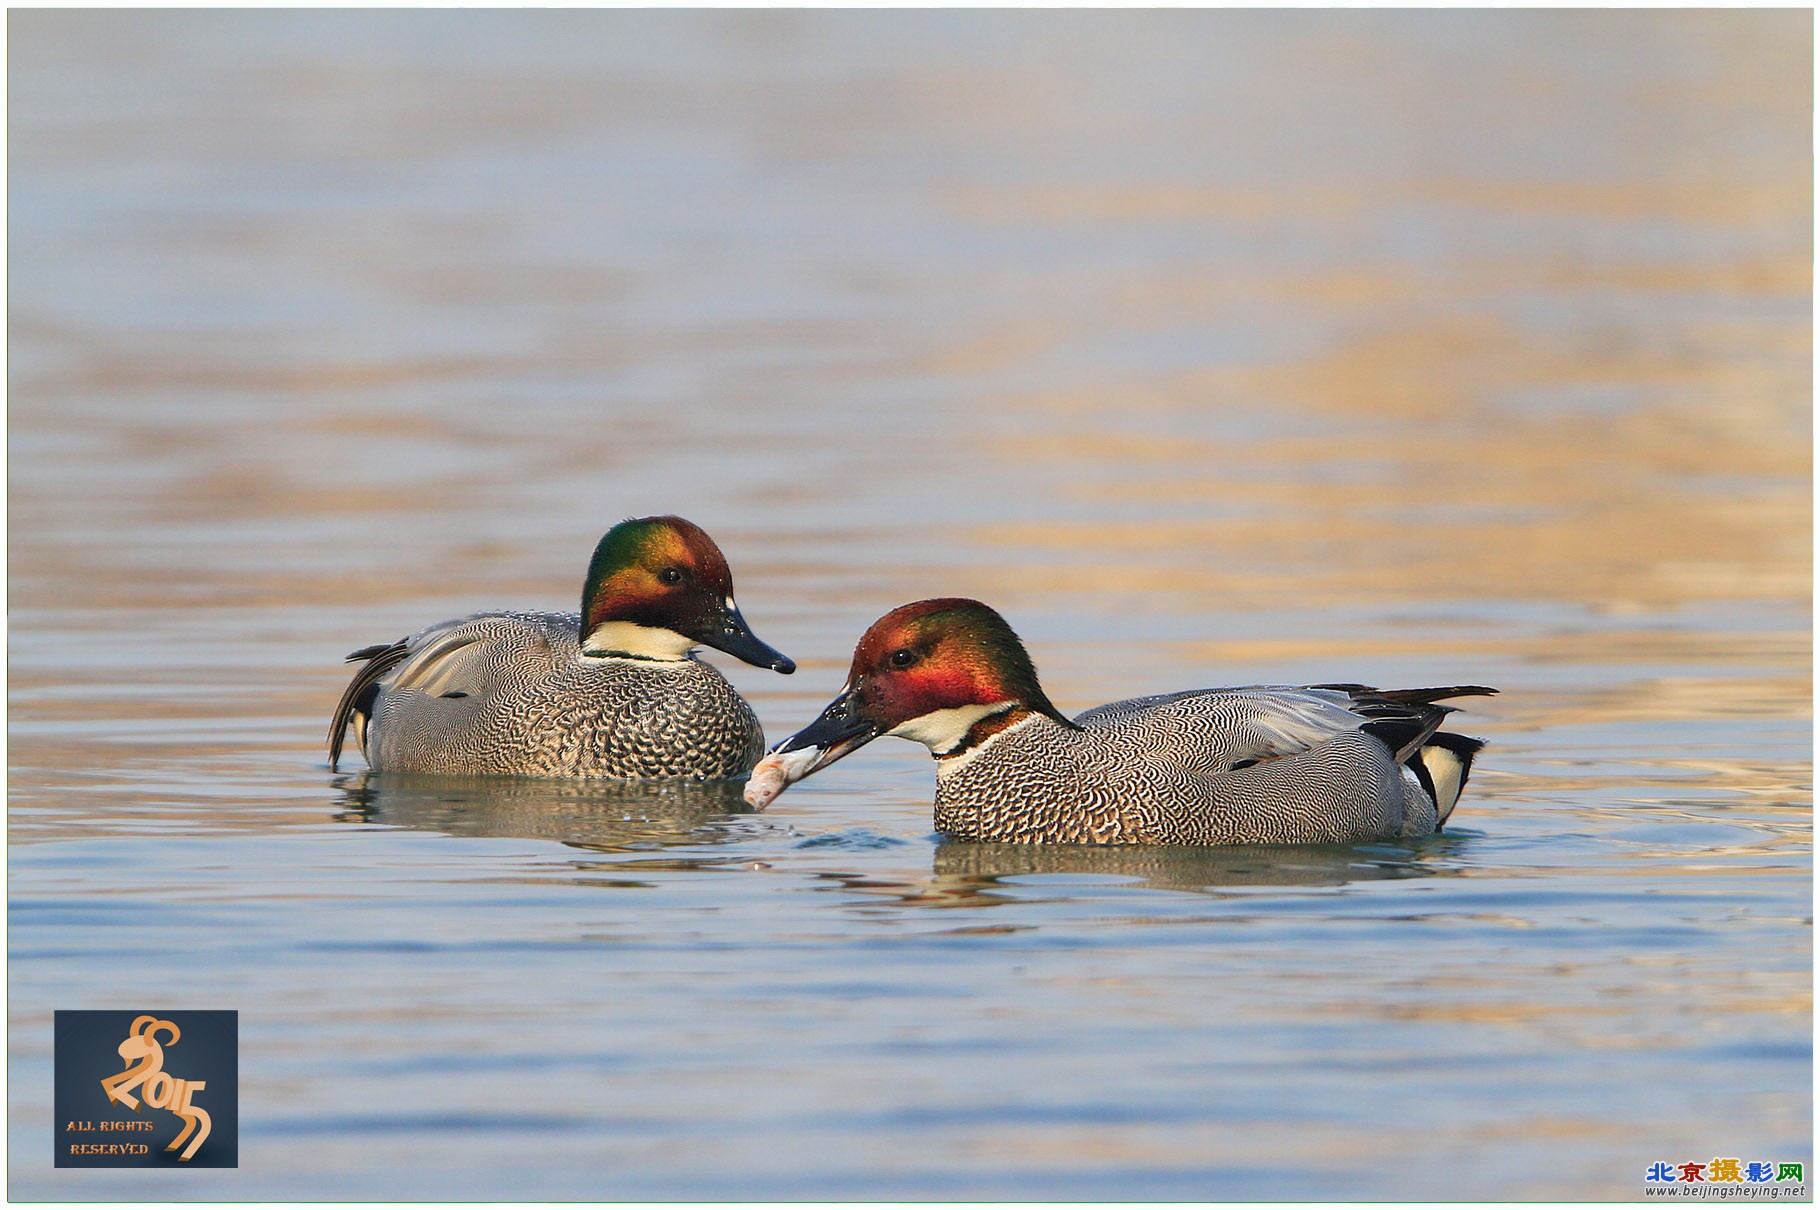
x: 658, y: 586
x: 942, y: 672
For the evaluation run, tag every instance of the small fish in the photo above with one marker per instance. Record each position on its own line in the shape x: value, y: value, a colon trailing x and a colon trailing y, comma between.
x: 777, y: 772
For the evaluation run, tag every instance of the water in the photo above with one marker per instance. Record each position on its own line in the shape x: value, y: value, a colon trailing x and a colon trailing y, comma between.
x: 1212, y: 347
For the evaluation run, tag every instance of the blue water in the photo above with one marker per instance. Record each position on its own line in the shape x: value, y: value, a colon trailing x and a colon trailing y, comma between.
x: 1210, y: 347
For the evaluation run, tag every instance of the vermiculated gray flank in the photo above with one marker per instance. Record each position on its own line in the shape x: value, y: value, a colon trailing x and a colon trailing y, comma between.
x: 1257, y: 765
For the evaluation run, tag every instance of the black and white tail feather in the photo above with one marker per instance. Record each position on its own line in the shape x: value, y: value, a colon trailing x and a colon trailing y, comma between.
x: 1408, y: 722
x: 356, y: 705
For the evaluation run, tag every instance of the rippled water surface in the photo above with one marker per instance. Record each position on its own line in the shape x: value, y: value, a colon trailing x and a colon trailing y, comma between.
x: 1211, y: 347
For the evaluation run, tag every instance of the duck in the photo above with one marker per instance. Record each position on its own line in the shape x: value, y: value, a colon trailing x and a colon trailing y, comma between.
x: 615, y: 691
x: 1256, y: 764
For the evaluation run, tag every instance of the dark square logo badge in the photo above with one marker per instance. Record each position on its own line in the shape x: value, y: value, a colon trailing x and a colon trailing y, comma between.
x: 147, y: 1089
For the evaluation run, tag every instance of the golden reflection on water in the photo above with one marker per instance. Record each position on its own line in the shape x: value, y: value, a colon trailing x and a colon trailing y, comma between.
x: 1647, y: 508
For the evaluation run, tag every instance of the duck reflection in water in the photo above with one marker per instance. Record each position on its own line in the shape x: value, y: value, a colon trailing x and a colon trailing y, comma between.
x: 674, y: 824
x: 973, y: 874
x: 608, y: 816
x: 1199, y: 868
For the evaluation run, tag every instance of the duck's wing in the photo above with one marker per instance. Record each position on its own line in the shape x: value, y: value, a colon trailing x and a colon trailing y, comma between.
x: 454, y: 659
x: 1215, y: 730
x: 1211, y: 731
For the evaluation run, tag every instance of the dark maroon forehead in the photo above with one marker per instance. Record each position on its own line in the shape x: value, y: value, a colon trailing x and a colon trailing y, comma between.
x: 918, y: 625
x: 629, y: 563
x: 690, y: 543
x: 964, y: 653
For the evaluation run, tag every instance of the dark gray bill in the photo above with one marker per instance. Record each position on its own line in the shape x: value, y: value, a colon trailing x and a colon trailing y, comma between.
x: 837, y: 731
x: 729, y: 633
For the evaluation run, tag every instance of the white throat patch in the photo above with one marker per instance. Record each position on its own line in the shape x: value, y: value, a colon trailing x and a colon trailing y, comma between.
x: 941, y: 730
x: 644, y: 642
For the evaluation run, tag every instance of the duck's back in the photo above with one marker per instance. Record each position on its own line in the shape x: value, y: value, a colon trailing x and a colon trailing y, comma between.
x: 511, y: 693
x: 1211, y: 730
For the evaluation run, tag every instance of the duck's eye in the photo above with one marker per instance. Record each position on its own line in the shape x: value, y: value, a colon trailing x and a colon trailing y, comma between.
x: 903, y: 657
x: 670, y: 575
